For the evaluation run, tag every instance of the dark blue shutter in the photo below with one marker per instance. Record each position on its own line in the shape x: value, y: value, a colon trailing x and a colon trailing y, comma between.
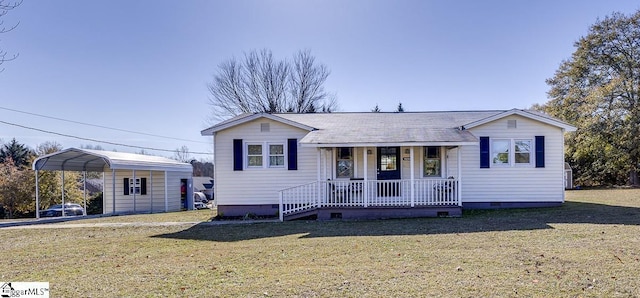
x: 484, y: 152
x: 292, y: 150
x: 126, y: 186
x: 237, y: 155
x: 539, y: 151
x: 143, y: 186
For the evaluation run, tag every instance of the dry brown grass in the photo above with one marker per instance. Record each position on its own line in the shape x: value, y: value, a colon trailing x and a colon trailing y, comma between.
x: 590, y: 247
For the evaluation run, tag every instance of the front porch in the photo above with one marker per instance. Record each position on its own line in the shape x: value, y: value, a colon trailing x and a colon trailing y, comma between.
x: 371, y: 198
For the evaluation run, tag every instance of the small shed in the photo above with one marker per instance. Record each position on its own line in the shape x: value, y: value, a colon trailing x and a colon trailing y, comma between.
x: 132, y: 183
x: 568, y: 176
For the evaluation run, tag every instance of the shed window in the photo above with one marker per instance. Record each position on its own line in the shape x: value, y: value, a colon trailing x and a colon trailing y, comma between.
x: 136, y: 186
x: 344, y: 159
x: 254, y: 155
x: 276, y: 155
x: 432, y: 162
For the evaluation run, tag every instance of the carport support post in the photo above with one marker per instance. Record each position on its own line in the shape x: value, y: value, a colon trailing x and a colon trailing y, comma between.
x: 113, y: 190
x: 63, y: 193
x: 37, y: 197
x: 84, y: 179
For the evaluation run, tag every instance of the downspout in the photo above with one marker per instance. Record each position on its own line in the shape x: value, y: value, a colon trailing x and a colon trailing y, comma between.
x: 320, y: 184
x: 459, y: 188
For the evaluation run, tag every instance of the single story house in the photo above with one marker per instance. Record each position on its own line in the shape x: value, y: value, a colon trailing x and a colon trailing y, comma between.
x: 382, y: 165
x: 132, y: 183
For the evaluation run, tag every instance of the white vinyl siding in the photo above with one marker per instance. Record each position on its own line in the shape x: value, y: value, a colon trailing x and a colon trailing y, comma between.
x: 143, y: 203
x: 259, y: 186
x: 515, y: 183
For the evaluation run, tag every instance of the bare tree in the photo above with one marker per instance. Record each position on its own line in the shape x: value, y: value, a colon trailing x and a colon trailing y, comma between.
x: 5, y: 7
x: 307, y: 85
x: 261, y: 83
x: 182, y: 154
x: 48, y: 147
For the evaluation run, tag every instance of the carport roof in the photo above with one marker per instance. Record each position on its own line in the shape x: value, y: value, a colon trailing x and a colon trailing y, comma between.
x: 74, y: 159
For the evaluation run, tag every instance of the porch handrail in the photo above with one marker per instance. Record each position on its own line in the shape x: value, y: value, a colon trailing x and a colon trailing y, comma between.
x: 379, y: 193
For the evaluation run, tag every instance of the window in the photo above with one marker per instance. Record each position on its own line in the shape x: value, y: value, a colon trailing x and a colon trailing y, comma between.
x: 344, y: 166
x: 522, y: 151
x: 134, y: 187
x: 276, y: 155
x: 388, y: 159
x: 254, y: 155
x: 500, y: 152
x: 432, y: 162
x: 510, y: 152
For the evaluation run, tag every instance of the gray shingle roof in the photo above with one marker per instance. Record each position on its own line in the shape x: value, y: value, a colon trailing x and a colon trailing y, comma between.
x: 390, y: 128
x: 442, y: 127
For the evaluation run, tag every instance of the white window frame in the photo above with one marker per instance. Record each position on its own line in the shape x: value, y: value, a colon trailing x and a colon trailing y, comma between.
x: 247, y: 155
x: 352, y: 160
x: 512, y: 153
x: 269, y: 155
x: 424, y: 159
x: 531, y: 151
x: 265, y: 155
x: 135, y: 188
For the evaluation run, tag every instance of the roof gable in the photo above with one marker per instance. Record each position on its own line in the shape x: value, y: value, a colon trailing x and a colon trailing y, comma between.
x: 241, y: 119
x: 544, y: 118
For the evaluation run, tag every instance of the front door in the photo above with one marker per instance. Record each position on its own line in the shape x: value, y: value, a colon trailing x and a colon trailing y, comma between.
x: 388, y: 164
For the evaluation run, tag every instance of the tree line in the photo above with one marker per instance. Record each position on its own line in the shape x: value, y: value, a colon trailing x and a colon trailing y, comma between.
x: 598, y: 90
x: 17, y: 180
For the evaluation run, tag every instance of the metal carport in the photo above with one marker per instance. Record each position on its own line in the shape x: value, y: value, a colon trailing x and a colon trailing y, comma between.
x: 85, y: 160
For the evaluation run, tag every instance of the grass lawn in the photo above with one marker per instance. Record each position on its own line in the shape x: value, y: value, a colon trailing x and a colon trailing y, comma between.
x: 590, y: 247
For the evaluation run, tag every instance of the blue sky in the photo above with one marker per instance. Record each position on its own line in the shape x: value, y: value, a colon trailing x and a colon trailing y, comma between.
x: 144, y: 65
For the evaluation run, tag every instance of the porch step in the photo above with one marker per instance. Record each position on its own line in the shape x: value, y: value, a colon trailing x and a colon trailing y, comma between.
x: 327, y: 213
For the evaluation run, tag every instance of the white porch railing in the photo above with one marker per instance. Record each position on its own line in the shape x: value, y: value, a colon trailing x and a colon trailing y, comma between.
x: 373, y: 193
